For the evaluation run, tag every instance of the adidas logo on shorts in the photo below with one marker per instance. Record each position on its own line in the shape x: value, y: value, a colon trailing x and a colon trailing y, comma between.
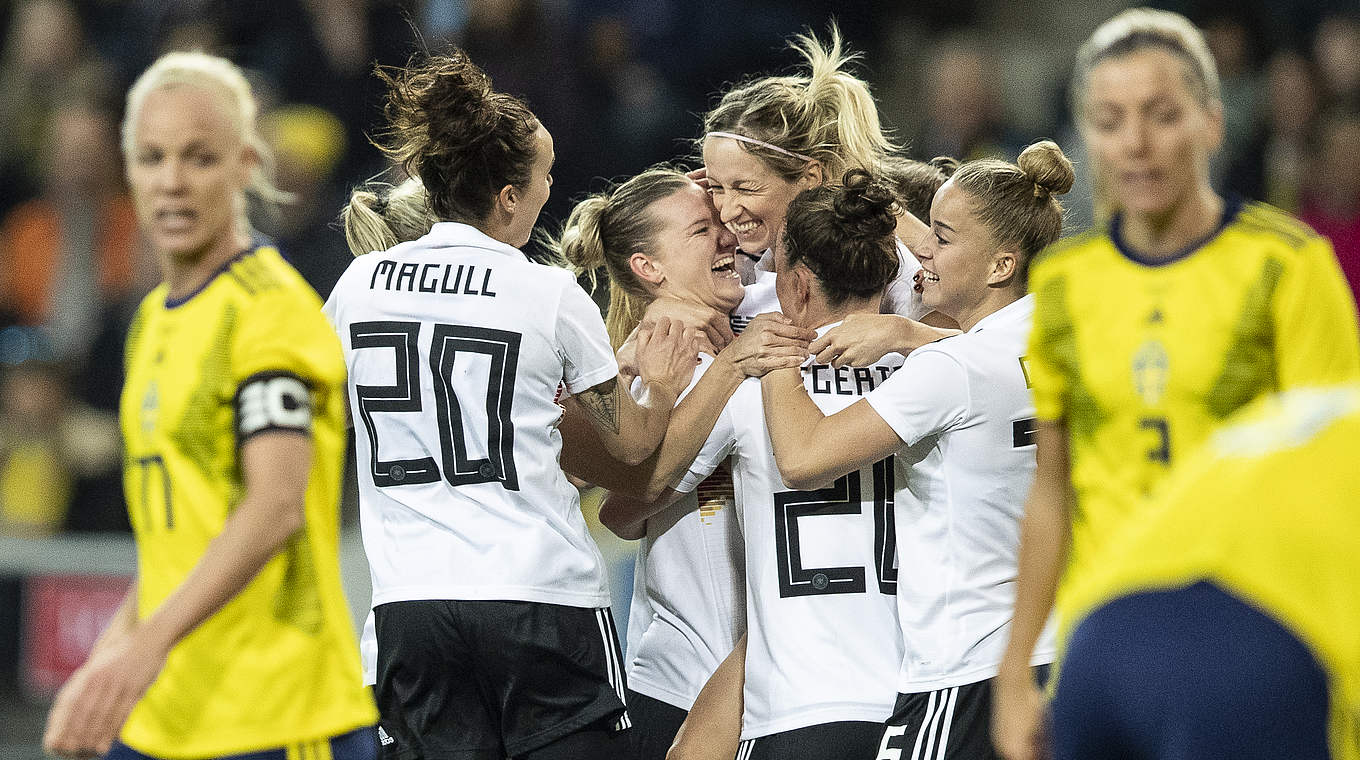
x: 383, y: 737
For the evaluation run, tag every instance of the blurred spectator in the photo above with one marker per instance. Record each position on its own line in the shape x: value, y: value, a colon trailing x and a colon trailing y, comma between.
x: 1332, y: 203
x: 1234, y: 49
x: 308, y: 144
x: 43, y: 65
x: 69, y: 254
x: 1273, y: 165
x: 640, y: 120
x: 964, y: 116
x: 48, y: 443
x: 1336, y: 50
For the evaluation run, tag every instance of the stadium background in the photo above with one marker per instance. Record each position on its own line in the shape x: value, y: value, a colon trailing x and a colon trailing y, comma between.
x: 621, y: 85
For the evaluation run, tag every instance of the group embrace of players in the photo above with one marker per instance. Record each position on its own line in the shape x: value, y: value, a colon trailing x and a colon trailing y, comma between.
x: 867, y: 417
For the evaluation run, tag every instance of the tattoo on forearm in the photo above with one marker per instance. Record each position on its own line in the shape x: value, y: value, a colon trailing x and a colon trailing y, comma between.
x: 602, y: 403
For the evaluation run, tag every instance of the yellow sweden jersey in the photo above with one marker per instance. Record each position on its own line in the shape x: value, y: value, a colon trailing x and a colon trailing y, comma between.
x: 278, y: 664
x: 1140, y: 359
x: 1267, y: 511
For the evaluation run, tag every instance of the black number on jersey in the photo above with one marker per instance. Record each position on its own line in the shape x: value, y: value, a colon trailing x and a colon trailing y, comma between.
x: 840, y: 498
x: 1161, y: 452
x: 449, y: 341
x: 153, y: 467
x: 1024, y: 432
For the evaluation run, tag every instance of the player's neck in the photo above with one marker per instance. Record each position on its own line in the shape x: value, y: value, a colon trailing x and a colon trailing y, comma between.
x: 1168, y: 233
x: 995, y: 300
x: 186, y: 274
x: 820, y: 315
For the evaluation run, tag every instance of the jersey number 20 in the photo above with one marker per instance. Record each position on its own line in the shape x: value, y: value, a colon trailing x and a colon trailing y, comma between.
x: 839, y: 498
x: 447, y: 343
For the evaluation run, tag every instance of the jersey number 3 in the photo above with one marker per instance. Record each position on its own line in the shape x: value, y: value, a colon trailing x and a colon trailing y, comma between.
x: 501, y: 351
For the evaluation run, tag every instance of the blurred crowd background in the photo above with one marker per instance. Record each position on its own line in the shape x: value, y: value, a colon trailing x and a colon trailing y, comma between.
x: 620, y: 83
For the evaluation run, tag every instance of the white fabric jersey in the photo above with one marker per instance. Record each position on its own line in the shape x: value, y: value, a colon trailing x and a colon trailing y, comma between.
x: 900, y: 297
x: 688, y: 607
x: 822, y: 636
x: 456, y: 345
x: 759, y: 297
x: 963, y: 407
x: 368, y: 650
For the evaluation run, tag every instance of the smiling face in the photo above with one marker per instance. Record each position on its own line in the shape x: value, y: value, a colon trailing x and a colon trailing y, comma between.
x: 1150, y: 137
x: 751, y: 198
x: 694, y: 251
x: 533, y: 195
x: 188, y: 171
x: 956, y: 256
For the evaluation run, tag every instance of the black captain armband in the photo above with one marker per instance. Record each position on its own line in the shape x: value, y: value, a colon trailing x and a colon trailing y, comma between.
x: 272, y: 401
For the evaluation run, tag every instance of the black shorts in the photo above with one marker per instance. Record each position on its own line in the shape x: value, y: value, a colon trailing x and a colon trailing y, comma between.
x: 1189, y: 672
x: 947, y: 724
x: 459, y: 680
x: 825, y: 741
x: 655, y: 724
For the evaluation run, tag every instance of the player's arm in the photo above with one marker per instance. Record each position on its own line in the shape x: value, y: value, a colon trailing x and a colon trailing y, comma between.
x: 862, y: 339
x: 630, y: 429
x: 712, y: 730
x: 626, y: 516
x: 768, y: 342
x: 583, y: 455
x: 1045, y: 532
x: 927, y: 395
x: 812, y: 449
x: 275, y: 463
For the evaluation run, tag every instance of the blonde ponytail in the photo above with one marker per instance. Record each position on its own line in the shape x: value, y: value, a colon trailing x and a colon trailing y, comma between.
x: 606, y: 229
x: 827, y: 113
x: 378, y: 216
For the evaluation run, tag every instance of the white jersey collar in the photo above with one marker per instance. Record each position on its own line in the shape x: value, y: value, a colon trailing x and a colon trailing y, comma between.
x: 1017, y: 310
x: 457, y: 234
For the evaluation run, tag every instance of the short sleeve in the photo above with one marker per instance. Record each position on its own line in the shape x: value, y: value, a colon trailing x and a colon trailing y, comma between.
x: 331, y: 309
x: 282, y: 330
x: 285, y: 359
x: 717, y: 448
x: 1050, y: 340
x: 1317, y: 340
x: 928, y: 395
x: 587, y: 358
x: 900, y: 297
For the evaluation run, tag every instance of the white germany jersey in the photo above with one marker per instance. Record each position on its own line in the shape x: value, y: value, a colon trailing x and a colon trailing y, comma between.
x: 689, y: 603
x: 963, y: 407
x: 456, y: 345
x: 822, y: 637
x: 901, y: 297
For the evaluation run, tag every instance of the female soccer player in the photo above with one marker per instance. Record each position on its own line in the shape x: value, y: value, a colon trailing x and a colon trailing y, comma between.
x: 771, y: 138
x: 491, y: 609
x: 822, y: 642
x: 235, y: 636
x: 1221, y: 624
x: 657, y: 236
x: 1154, y: 326
x: 959, y: 418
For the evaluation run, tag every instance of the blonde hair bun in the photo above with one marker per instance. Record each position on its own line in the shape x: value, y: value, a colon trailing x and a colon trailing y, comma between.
x: 1045, y: 164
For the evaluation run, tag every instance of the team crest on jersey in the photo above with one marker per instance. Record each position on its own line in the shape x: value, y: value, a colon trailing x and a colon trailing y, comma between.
x: 1151, y: 367
x: 150, y: 407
